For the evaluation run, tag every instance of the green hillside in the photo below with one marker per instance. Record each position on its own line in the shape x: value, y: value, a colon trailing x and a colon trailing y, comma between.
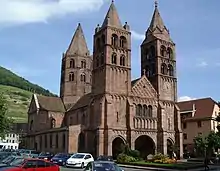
x: 18, y: 101
x: 18, y: 93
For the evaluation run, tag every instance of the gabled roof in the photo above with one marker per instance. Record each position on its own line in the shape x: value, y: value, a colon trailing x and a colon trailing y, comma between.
x: 54, y: 104
x: 82, y: 102
x: 134, y: 81
x: 142, y: 87
x: 78, y: 43
x: 112, y: 17
x: 204, y: 107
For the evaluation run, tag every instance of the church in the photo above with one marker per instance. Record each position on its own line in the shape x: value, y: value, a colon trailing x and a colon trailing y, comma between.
x: 100, y: 108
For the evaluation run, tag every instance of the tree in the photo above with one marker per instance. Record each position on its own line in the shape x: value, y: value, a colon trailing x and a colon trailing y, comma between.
x: 201, y: 145
x: 5, y: 122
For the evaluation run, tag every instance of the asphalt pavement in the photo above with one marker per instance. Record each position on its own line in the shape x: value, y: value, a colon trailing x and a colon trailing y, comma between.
x: 74, y: 169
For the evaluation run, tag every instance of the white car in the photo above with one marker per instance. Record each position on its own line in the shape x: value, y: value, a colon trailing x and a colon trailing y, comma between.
x: 79, y: 160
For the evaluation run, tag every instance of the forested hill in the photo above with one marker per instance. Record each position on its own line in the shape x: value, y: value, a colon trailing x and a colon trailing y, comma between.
x: 9, y: 78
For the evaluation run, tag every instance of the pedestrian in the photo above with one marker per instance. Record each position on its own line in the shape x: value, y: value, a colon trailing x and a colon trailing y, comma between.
x: 206, y: 163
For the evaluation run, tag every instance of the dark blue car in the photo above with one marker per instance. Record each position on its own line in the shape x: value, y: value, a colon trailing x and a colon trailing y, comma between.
x: 60, y: 159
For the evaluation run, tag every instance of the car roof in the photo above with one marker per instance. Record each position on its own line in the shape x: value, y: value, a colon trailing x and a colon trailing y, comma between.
x: 83, y: 153
x: 102, y: 161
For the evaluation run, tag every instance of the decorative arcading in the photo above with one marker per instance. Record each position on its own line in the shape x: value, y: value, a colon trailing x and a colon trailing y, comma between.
x: 145, y: 123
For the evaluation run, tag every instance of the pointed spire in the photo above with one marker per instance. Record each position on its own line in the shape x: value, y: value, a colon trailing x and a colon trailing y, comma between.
x: 78, y: 43
x: 156, y: 21
x: 112, y: 18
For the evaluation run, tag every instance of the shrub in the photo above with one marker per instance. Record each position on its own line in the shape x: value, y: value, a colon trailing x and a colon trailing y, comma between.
x: 161, y: 158
x: 123, y: 158
x: 134, y: 153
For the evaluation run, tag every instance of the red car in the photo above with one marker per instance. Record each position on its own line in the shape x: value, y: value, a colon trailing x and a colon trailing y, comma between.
x: 31, y: 165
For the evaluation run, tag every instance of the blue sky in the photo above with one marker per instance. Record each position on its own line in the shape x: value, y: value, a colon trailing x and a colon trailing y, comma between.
x: 35, y: 33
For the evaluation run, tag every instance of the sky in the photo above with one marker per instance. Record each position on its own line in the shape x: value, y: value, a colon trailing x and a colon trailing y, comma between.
x: 35, y: 33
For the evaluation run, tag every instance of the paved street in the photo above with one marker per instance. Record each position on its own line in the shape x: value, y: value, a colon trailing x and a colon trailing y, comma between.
x: 72, y: 169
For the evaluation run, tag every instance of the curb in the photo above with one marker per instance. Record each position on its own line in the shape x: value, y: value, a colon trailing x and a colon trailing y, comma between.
x: 148, y: 168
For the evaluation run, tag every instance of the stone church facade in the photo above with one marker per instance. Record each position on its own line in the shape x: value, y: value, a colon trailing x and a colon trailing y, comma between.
x: 100, y: 107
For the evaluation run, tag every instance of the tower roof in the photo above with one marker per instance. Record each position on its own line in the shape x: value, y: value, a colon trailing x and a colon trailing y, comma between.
x: 156, y: 21
x: 78, y: 43
x: 112, y: 17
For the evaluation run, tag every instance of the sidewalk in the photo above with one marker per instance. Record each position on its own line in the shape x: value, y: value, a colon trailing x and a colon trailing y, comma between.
x: 163, y: 169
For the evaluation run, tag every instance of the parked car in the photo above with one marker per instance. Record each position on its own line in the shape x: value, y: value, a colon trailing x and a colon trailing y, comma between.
x: 45, y: 156
x: 10, y: 159
x: 79, y: 160
x: 60, y: 159
x: 30, y: 153
x: 105, y: 158
x: 3, y: 155
x: 102, y: 165
x: 30, y: 165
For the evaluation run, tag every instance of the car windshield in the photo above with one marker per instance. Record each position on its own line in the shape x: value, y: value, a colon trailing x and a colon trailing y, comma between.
x: 60, y: 155
x: 106, y: 167
x: 17, y: 162
x: 44, y: 154
x: 78, y: 156
x: 34, y: 152
x: 8, y: 159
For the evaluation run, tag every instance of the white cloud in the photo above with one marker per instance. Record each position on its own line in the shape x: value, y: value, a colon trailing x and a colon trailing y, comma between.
x: 137, y: 36
x: 202, y: 64
x: 185, y: 98
x: 31, y: 11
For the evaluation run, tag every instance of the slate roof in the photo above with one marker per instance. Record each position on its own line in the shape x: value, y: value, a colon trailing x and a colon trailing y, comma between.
x: 112, y: 18
x: 134, y: 81
x: 54, y: 104
x: 204, y: 107
x: 82, y: 102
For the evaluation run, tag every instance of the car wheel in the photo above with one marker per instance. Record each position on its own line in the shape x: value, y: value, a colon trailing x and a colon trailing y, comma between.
x: 82, y: 165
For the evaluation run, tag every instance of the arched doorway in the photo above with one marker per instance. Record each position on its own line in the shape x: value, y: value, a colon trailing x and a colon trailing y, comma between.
x: 117, y: 147
x: 169, y: 148
x: 145, y: 145
x: 81, y: 142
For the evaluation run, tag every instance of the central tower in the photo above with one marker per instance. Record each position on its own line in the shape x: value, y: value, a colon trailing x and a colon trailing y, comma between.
x: 112, y: 56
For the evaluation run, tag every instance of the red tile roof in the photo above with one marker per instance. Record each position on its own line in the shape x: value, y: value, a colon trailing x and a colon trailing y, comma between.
x: 204, y: 107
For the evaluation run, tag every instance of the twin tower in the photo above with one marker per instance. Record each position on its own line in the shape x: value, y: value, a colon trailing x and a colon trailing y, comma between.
x: 108, y: 70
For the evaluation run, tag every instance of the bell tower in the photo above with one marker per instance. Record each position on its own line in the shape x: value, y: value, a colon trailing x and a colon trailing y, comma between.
x: 112, y: 56
x: 158, y: 59
x: 76, y: 70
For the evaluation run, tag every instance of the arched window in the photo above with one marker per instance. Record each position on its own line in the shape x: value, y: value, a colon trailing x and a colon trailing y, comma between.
x: 53, y: 123
x: 31, y: 125
x: 123, y: 42
x: 102, y: 58
x: 163, y: 51
x: 139, y: 110
x: 83, y: 119
x: 170, y: 70
x: 147, y: 71
x: 71, y: 76
x: 152, y: 52
x: 103, y: 40
x: 98, y: 44
x: 145, y: 112
x: 170, y: 53
x: 72, y: 63
x: 83, y: 78
x: 122, y: 60
x: 164, y: 69
x: 57, y: 141
x: 114, y: 58
x: 150, y: 111
x: 97, y: 61
x: 114, y: 40
x: 64, y: 141
x: 83, y: 64
x: 147, y: 54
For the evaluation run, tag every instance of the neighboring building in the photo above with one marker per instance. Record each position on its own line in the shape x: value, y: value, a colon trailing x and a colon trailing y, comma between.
x: 99, y: 107
x: 18, y: 130
x: 198, y: 118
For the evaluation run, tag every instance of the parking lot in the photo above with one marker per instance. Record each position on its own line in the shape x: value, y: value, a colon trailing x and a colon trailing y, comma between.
x: 74, y: 169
